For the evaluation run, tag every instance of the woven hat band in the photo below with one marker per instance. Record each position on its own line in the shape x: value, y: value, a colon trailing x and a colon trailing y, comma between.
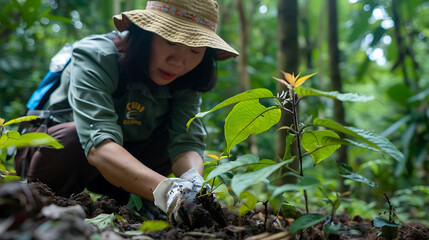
x: 175, y: 11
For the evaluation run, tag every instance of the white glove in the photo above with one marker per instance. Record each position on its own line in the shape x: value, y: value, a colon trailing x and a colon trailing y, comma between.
x: 168, y: 194
x: 178, y: 199
x: 193, y: 176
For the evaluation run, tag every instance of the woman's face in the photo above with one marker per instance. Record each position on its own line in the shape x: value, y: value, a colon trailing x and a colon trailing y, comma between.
x: 169, y: 60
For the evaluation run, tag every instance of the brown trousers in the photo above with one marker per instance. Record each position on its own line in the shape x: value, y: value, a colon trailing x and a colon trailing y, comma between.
x: 67, y: 171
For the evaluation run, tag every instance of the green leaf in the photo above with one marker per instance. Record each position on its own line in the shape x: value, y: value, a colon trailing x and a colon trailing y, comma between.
x: 306, y: 183
x: 2, y: 167
x: 346, y: 172
x: 359, y: 144
x: 276, y: 203
x: 395, y: 126
x: 245, y: 96
x: 400, y: 93
x: 239, y: 162
x: 6, y: 176
x: 371, y: 138
x: 135, y: 201
x: 345, y: 97
x: 289, y: 140
x: 152, y: 226
x: 379, y: 222
x: 332, y: 228
x: 261, y: 164
x: 21, y: 119
x: 290, y: 211
x: 319, y: 144
x: 306, y: 221
x: 103, y: 221
x: 422, y: 96
x: 249, y: 202
x: 241, y: 182
x: 248, y: 117
x: 12, y: 138
x: 381, y: 142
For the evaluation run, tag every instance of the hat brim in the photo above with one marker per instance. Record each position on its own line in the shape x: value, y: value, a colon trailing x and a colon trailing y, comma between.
x: 176, y: 29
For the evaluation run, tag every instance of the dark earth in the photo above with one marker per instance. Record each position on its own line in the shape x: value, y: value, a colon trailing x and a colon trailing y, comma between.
x: 24, y: 214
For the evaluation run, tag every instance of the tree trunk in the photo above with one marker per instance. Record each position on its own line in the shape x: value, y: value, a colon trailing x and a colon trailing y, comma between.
x: 402, y: 49
x: 116, y: 6
x: 334, y: 61
x: 243, y: 75
x: 309, y: 44
x: 287, y: 58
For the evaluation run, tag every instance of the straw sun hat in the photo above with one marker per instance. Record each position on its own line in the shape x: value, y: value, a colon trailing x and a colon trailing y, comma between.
x: 190, y: 22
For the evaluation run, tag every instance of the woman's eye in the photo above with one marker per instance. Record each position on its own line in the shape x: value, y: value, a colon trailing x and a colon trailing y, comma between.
x: 195, y: 51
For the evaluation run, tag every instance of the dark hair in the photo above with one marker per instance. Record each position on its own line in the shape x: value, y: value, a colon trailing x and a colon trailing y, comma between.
x: 134, y: 64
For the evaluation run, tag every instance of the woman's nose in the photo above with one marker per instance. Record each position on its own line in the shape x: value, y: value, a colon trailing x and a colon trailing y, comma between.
x: 178, y: 57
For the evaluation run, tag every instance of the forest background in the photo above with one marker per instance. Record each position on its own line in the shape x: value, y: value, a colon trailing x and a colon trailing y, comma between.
x: 371, y: 47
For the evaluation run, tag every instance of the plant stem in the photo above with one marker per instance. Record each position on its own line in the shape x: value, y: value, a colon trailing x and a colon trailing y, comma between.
x: 266, y: 215
x: 295, y: 101
x: 390, y: 208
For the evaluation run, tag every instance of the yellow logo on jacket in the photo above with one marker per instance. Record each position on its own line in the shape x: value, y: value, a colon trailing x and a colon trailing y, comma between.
x: 133, y: 110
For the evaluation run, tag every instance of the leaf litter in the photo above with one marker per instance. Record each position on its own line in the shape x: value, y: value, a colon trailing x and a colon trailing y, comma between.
x: 33, y: 211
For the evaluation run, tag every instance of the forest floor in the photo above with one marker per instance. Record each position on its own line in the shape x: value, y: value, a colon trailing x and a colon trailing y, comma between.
x: 32, y: 211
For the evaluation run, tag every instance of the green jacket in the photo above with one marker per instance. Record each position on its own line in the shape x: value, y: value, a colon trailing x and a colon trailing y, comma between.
x: 87, y: 85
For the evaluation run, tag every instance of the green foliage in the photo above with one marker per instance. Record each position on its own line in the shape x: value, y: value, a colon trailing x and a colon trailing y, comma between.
x: 305, y: 183
x: 346, y: 172
x: 388, y: 230
x: 345, y: 97
x: 246, y: 118
x: 248, y: 203
x: 320, y: 144
x: 242, y: 161
x: 306, y: 221
x: 104, y: 221
x: 152, y: 226
x: 15, y: 139
x: 242, y: 181
x: 374, y: 140
x: 6, y: 175
x: 246, y: 96
x: 250, y: 117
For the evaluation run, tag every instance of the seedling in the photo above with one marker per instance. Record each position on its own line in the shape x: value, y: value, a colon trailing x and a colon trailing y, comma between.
x: 249, y: 116
x: 9, y: 138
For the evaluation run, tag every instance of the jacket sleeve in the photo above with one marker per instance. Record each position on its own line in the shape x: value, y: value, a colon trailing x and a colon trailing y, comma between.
x: 184, y: 106
x: 93, y: 78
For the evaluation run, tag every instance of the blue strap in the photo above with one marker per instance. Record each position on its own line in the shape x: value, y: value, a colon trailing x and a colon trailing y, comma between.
x: 47, y: 83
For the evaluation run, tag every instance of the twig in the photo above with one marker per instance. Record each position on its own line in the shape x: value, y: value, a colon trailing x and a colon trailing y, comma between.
x: 390, y: 208
x: 266, y: 215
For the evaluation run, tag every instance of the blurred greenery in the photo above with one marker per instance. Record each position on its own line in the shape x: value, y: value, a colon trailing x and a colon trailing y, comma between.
x: 373, y: 62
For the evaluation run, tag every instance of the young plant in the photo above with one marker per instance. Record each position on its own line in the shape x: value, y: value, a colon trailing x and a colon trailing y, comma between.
x: 389, y: 229
x: 249, y: 116
x: 9, y: 138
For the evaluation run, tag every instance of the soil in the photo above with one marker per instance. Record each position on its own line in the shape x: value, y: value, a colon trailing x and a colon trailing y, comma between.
x: 22, y: 205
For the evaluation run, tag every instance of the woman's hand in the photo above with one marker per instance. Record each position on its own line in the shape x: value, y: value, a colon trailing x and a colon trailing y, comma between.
x: 178, y: 198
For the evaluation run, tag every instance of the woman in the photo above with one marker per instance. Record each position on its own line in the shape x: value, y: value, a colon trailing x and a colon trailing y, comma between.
x: 130, y: 100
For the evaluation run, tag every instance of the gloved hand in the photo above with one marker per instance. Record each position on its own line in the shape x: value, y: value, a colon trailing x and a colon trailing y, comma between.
x: 178, y: 199
x: 193, y: 176
x: 207, y: 199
